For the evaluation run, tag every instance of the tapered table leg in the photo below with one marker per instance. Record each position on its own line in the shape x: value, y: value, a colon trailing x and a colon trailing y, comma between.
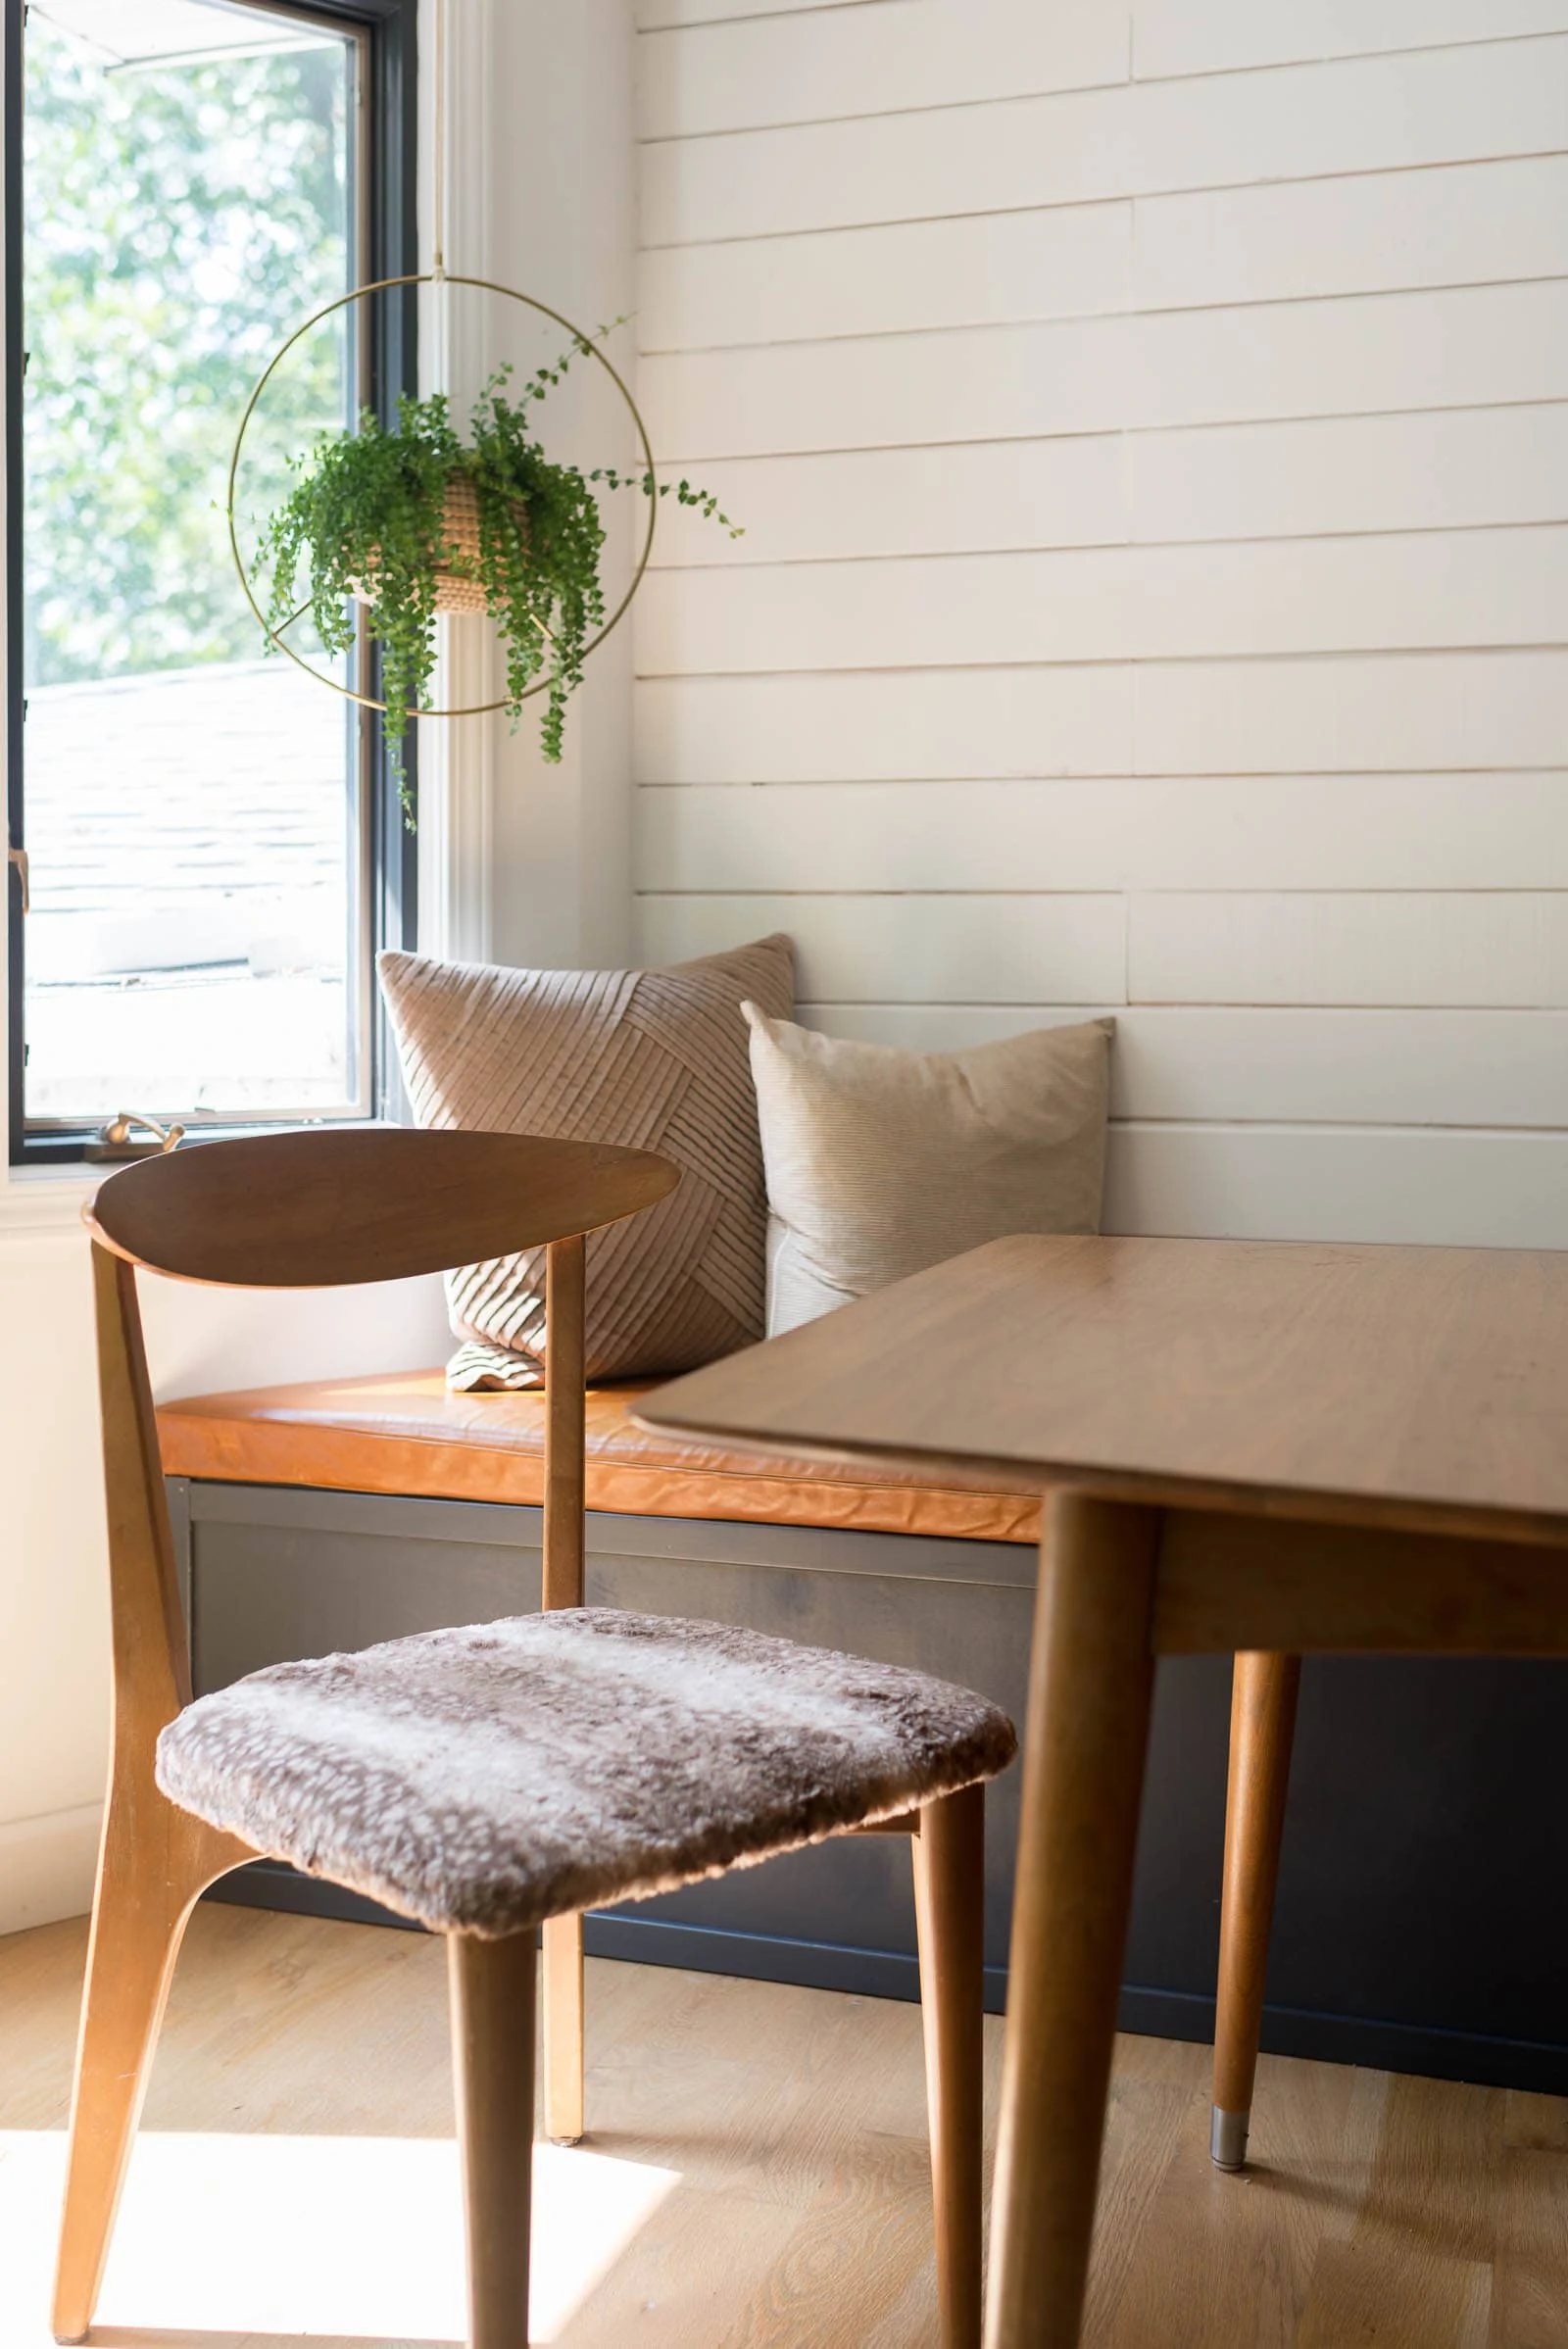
x: 1263, y: 1695
x: 1089, y: 1687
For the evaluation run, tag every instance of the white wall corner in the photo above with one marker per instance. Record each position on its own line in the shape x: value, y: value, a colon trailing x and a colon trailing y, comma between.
x: 544, y: 849
x: 520, y: 861
x: 47, y: 1867
x: 456, y: 851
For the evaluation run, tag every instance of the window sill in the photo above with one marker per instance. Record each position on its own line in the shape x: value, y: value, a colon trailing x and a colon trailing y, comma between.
x: 40, y: 1203
x: 48, y: 1198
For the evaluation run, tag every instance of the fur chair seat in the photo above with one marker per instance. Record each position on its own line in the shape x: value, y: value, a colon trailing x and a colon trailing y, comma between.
x: 484, y: 1778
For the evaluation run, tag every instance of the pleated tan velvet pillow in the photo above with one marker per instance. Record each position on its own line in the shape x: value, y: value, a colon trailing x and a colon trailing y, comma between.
x: 653, y: 1059
x: 882, y: 1161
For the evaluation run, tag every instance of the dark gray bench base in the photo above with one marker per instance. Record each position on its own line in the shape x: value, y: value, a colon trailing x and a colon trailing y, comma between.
x: 1424, y: 1892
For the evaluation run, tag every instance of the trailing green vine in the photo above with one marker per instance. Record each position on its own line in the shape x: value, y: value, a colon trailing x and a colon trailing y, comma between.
x: 367, y: 517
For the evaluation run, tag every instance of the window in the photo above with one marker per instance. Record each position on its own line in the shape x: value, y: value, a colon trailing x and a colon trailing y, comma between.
x: 213, y: 848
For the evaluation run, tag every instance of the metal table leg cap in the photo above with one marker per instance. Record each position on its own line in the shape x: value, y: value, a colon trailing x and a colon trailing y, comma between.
x: 1226, y: 2140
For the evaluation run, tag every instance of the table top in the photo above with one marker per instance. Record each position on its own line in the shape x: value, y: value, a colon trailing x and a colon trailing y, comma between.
x: 1417, y: 1387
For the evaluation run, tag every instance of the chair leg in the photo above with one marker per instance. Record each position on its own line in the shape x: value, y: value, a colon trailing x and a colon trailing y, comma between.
x: 493, y: 1985
x: 154, y: 1863
x: 1264, y: 1694
x: 564, y: 2030
x: 1091, y: 1681
x: 950, y: 1870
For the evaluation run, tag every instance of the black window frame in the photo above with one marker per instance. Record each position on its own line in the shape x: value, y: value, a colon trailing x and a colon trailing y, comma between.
x: 390, y: 27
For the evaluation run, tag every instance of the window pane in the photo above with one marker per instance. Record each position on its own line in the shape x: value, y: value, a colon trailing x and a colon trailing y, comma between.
x: 192, y: 804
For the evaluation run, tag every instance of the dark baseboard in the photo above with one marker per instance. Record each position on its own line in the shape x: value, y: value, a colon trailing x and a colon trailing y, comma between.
x: 640, y: 1940
x: 759, y: 1957
x: 274, y: 1884
x: 886, y: 1974
x: 1374, y: 2045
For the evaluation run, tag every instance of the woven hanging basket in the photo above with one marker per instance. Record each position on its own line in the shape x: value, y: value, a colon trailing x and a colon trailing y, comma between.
x: 456, y: 591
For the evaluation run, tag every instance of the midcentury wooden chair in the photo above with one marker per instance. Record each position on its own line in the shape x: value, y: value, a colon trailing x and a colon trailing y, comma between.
x: 492, y: 1780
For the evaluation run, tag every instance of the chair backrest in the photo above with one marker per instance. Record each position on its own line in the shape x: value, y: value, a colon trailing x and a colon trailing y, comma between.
x: 320, y: 1209
x: 316, y: 1210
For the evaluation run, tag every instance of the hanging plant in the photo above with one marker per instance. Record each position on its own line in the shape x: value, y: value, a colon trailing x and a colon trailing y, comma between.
x: 416, y: 520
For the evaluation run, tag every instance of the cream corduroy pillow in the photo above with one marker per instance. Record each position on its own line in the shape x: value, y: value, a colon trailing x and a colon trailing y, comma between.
x: 881, y: 1162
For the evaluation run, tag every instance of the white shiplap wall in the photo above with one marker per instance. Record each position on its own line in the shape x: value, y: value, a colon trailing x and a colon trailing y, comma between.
x: 1151, y: 423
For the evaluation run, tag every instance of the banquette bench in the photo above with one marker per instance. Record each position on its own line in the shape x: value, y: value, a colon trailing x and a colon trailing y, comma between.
x: 1424, y: 1887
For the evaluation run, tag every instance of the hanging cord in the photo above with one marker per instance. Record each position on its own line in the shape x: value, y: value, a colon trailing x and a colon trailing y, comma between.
x: 438, y: 264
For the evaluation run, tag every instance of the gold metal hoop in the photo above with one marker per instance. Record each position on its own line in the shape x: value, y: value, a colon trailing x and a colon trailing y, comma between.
x: 361, y: 293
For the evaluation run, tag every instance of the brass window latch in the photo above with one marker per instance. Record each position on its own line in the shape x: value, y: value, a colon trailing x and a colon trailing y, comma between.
x: 18, y: 857
x: 112, y: 1140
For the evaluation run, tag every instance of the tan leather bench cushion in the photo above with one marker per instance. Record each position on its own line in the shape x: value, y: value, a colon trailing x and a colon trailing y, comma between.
x: 405, y: 1433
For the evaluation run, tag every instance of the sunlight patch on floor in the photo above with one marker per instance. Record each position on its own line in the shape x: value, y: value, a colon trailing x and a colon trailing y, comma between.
x: 346, y: 2237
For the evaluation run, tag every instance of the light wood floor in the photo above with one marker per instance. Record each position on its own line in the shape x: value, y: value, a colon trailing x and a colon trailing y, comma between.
x: 1382, y: 2214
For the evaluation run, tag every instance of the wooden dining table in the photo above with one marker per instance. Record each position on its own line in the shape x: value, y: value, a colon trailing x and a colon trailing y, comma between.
x: 1244, y: 1446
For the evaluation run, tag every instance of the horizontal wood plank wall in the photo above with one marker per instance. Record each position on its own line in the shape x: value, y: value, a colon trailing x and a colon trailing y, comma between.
x: 1149, y: 420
